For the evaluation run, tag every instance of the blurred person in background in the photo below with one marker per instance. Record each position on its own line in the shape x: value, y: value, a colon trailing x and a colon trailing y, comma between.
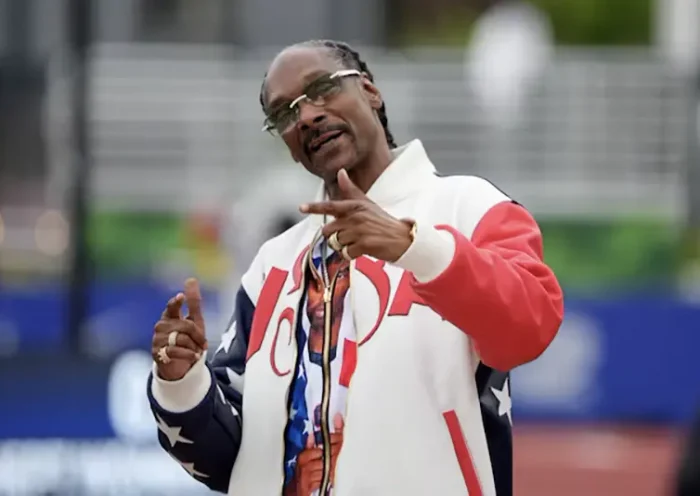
x: 688, y: 479
x: 268, y: 208
x: 509, y: 50
x: 385, y: 323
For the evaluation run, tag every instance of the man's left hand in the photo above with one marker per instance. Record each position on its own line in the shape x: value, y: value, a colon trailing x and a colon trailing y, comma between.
x: 362, y: 226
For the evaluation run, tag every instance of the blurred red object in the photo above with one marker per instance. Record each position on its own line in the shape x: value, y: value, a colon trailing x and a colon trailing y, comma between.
x: 205, y: 227
x: 600, y: 461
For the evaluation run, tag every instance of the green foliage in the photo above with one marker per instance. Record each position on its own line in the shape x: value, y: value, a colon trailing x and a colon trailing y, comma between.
x: 587, y: 256
x: 575, y: 22
x: 123, y: 244
x: 594, y: 256
x: 451, y: 28
x: 600, y: 22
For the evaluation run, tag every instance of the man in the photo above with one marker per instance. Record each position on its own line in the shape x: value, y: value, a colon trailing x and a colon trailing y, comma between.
x: 442, y: 290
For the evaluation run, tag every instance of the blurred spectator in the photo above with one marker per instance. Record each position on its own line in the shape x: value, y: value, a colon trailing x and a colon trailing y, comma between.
x: 270, y: 207
x: 510, y: 47
x: 689, y: 473
x: 677, y: 33
x: 271, y: 202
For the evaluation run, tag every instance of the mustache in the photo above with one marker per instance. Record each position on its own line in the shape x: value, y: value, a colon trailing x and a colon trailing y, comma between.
x: 312, y: 134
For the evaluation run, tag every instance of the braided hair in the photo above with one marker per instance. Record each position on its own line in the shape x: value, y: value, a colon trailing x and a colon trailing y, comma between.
x: 350, y: 59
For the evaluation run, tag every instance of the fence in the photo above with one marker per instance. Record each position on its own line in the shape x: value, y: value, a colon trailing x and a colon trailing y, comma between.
x: 603, y: 132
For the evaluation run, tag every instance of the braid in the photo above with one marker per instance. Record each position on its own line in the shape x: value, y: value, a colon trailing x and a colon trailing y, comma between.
x: 350, y: 59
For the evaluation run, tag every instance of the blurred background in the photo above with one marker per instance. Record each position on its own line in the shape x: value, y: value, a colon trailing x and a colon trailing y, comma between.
x: 131, y: 157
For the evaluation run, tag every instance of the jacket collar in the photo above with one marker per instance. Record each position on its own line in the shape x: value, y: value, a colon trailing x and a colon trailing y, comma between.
x: 405, y: 174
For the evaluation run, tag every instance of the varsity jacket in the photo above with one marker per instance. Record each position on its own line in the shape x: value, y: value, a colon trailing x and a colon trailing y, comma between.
x: 428, y: 404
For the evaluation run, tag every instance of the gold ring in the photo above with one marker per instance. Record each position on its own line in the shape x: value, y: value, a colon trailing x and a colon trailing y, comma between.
x: 334, y: 243
x: 172, y: 338
x: 163, y: 355
x: 345, y: 254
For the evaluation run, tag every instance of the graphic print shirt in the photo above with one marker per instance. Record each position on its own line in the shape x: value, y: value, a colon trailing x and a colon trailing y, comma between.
x: 307, y: 389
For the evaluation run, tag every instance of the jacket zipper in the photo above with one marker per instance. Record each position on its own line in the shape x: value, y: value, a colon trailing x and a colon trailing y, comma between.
x: 329, y: 289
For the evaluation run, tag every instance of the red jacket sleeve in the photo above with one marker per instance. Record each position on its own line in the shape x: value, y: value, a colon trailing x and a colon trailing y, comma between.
x: 497, y: 289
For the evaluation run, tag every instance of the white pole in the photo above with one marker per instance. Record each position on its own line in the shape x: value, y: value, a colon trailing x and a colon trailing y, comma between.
x: 678, y: 33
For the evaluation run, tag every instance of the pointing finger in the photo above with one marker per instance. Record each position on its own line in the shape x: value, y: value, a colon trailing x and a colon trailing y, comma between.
x: 334, y: 208
x: 193, y: 298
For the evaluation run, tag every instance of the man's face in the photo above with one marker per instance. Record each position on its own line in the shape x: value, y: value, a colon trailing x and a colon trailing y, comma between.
x: 336, y: 135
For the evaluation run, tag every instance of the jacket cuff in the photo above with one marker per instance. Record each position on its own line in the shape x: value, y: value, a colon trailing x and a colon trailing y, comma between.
x: 429, y: 255
x: 184, y: 394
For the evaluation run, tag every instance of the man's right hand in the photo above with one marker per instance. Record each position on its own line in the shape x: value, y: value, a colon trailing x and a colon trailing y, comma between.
x: 190, y: 340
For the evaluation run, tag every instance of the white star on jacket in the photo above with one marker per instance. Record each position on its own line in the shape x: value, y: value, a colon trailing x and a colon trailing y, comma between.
x: 189, y: 467
x: 308, y: 429
x: 172, y: 433
x: 223, y: 400
x: 227, y: 338
x: 504, y: 402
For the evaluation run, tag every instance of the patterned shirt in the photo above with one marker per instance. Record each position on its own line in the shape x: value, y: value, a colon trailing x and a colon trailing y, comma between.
x: 307, y: 389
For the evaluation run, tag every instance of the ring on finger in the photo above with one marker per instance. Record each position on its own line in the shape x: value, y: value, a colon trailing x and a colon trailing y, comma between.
x: 346, y: 254
x: 172, y: 338
x: 334, y: 243
x: 163, y: 355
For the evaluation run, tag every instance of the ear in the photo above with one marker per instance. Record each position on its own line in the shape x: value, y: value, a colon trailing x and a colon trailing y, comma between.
x: 374, y: 96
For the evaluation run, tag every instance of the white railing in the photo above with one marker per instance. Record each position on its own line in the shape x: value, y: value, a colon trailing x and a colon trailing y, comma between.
x: 603, y: 133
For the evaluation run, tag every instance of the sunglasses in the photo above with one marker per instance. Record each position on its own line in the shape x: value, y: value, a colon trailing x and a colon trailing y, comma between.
x: 318, y: 93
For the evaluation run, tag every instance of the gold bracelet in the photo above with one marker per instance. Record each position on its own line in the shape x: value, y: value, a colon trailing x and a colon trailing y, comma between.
x: 414, y: 228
